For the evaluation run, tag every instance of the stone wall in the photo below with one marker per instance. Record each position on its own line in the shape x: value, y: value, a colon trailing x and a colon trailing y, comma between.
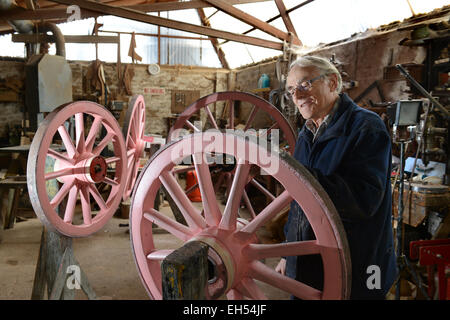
x: 158, y: 107
x: 10, y: 112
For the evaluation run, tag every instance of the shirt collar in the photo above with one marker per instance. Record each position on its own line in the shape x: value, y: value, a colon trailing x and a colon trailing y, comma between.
x: 316, y: 131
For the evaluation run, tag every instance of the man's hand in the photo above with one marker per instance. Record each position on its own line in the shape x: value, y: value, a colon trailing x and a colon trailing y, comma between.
x: 281, y: 267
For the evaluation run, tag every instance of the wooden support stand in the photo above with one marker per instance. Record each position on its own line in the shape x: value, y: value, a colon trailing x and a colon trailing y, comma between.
x: 185, y: 272
x: 58, y: 270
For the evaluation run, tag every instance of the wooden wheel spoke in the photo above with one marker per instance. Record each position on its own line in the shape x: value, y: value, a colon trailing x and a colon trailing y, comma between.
x: 237, y: 188
x: 251, y: 117
x: 86, y: 205
x: 110, y: 181
x: 190, y: 125
x: 248, y: 204
x: 97, y: 197
x: 175, y: 228
x: 79, y: 133
x: 58, y: 156
x: 268, y: 213
x: 261, y: 272
x: 211, y: 117
x: 262, y: 189
x: 262, y: 251
x: 112, y: 160
x: 231, y: 115
x: 107, y: 139
x: 67, y: 141
x: 90, y: 140
x: 249, y: 288
x: 71, y: 203
x: 61, y: 194
x: 189, y: 212
x: 210, y: 206
x: 59, y: 173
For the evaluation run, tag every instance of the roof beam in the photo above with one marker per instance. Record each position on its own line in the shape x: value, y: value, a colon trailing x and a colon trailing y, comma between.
x: 276, y: 17
x: 285, y: 16
x: 249, y: 19
x: 105, y: 9
x: 220, y: 54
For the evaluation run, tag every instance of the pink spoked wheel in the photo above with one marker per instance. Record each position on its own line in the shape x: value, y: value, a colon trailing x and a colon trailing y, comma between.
x: 256, y: 106
x: 237, y: 247
x: 133, y: 131
x: 87, y: 168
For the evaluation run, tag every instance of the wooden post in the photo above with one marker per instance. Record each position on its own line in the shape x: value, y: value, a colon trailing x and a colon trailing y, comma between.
x: 185, y: 272
x: 55, y: 265
x: 56, y: 261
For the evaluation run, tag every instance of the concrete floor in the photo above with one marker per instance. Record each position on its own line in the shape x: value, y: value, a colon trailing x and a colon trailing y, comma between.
x: 105, y: 257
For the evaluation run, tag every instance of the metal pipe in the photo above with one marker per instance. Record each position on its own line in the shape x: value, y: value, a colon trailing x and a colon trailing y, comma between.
x: 59, y: 37
x: 21, y: 26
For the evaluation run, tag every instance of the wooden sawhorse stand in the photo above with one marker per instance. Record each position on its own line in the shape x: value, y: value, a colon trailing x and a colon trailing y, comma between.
x: 58, y: 270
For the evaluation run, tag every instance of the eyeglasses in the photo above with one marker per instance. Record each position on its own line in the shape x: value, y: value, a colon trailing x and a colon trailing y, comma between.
x: 303, y: 86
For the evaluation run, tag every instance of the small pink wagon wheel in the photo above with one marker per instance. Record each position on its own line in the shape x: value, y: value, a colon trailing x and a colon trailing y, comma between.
x: 236, y: 249
x: 94, y: 157
x: 133, y: 131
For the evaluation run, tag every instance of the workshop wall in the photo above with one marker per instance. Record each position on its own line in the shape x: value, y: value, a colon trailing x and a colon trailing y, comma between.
x: 158, y: 106
x: 12, y: 75
x: 204, y: 80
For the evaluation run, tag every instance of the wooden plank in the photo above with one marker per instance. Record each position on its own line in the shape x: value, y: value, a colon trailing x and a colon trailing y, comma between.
x: 172, y: 24
x: 249, y: 19
x: 220, y: 54
x: 285, y: 16
x: 47, y: 13
x: 276, y: 17
x: 31, y: 38
x: 185, y: 272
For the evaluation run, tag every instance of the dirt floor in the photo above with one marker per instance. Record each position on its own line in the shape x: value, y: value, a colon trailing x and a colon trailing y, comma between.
x: 106, y: 258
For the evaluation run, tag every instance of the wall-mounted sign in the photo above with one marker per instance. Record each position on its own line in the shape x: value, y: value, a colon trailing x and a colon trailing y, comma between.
x: 155, y: 91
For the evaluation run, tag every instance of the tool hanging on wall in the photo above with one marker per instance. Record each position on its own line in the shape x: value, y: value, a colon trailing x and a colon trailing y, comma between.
x: 131, y: 51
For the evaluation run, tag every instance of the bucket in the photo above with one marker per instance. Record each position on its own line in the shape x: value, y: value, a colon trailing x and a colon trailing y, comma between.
x: 191, y: 180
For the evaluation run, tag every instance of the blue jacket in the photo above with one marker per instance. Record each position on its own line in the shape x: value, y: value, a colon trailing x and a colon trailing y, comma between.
x: 352, y: 162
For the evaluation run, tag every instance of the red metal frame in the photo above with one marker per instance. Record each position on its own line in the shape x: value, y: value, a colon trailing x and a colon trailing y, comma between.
x: 433, y: 253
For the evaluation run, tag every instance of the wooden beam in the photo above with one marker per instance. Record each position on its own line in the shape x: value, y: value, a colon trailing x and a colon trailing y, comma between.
x: 172, y: 24
x: 249, y: 19
x: 42, y: 14
x: 276, y: 17
x: 178, y: 5
x: 33, y: 38
x: 215, y: 43
x: 60, y: 13
x: 285, y: 16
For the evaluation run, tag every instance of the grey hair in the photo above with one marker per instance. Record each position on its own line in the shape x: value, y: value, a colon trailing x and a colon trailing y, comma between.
x: 322, y: 64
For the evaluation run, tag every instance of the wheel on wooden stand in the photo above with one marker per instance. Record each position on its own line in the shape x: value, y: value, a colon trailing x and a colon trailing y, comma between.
x: 237, y: 247
x: 79, y: 167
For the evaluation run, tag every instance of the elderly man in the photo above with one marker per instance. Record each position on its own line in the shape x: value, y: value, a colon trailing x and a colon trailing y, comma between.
x: 348, y: 150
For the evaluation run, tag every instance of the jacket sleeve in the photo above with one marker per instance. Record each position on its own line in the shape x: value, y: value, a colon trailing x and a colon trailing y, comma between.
x: 359, y: 184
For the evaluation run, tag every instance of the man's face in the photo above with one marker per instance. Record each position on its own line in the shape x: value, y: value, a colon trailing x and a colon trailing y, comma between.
x: 313, y: 103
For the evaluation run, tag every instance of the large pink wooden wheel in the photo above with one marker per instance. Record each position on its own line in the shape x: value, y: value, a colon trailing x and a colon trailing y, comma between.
x: 133, y: 131
x: 225, y: 173
x: 235, y: 249
x: 77, y: 167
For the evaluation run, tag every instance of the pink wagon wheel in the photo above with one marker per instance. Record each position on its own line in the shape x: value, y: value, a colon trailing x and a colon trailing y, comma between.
x: 77, y: 167
x: 236, y: 247
x: 258, y: 106
x: 133, y: 131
